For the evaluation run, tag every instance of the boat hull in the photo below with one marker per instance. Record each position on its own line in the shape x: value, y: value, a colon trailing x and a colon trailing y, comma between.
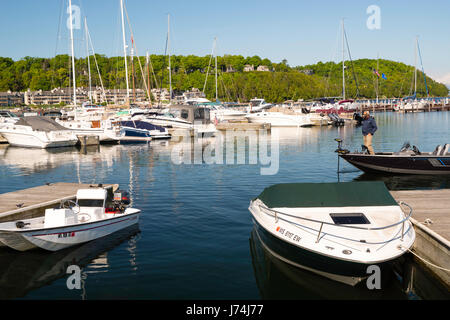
x: 279, y: 120
x: 54, y: 239
x: 30, y: 140
x: 392, y: 164
x: 347, y: 272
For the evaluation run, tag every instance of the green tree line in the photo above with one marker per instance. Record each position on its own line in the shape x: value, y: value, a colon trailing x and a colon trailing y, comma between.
x: 282, y: 83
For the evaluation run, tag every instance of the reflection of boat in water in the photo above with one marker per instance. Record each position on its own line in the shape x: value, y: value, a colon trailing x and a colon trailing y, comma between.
x: 407, y: 161
x: 277, y: 279
x: 35, y: 160
x: 337, y: 230
x: 22, y: 272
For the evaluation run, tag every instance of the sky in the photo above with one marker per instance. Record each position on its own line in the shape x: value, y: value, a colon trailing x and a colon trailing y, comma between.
x: 300, y: 31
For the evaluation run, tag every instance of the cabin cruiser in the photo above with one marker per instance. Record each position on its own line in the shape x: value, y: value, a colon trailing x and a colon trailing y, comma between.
x: 96, y: 213
x: 7, y: 117
x: 257, y: 105
x: 226, y: 114
x: 106, y: 130
x: 336, y: 230
x: 186, y: 117
x: 280, y: 119
x: 409, y: 160
x: 38, y: 132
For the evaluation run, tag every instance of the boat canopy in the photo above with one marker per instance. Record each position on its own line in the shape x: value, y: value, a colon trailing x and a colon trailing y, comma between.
x: 40, y: 123
x: 343, y: 194
x: 141, y: 125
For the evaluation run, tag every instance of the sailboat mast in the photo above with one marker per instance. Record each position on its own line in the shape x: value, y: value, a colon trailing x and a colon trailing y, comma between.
x: 343, y: 62
x: 215, y: 54
x: 88, y: 61
x: 378, y: 70
x: 168, y: 50
x: 125, y: 51
x: 132, y: 69
x: 415, y: 67
x: 73, y: 55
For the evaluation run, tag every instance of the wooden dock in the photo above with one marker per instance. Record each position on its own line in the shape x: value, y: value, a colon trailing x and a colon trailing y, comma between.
x: 32, y: 202
x: 431, y: 219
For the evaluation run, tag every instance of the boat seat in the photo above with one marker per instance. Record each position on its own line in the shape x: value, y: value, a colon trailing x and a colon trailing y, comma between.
x: 438, y: 150
x: 445, y: 149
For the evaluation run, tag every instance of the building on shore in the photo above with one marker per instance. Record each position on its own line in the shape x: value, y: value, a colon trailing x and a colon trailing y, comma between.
x: 9, y: 98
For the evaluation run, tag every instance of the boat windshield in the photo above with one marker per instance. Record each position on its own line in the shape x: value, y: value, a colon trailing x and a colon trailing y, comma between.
x: 90, y: 203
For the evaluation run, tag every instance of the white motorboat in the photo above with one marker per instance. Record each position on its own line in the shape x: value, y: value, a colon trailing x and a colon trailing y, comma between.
x: 106, y: 130
x: 95, y: 214
x: 226, y: 114
x: 186, y: 117
x: 257, y: 105
x: 336, y: 230
x: 38, y: 132
x: 280, y: 119
x: 7, y: 117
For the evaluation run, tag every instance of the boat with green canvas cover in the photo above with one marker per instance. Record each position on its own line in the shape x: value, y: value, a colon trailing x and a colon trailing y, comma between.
x: 336, y: 230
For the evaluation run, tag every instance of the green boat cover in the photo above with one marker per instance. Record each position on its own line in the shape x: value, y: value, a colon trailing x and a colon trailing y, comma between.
x: 342, y: 194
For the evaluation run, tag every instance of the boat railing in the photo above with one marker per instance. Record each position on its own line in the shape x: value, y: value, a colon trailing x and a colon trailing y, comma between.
x: 277, y: 215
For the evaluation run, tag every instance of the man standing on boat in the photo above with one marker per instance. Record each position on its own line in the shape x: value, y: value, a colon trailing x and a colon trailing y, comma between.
x: 369, y: 127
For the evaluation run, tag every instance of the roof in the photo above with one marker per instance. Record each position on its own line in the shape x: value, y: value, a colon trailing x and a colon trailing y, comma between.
x: 40, y: 123
x: 343, y: 194
x: 94, y: 193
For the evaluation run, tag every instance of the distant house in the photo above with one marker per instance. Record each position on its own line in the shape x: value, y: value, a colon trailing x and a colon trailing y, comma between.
x: 248, y: 68
x: 263, y: 68
x: 230, y: 69
x: 308, y: 72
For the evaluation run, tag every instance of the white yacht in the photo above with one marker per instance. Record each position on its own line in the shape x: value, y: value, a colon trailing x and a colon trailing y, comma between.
x: 7, y: 117
x: 226, y: 114
x: 257, y: 105
x: 106, y: 130
x: 280, y: 119
x: 38, y: 132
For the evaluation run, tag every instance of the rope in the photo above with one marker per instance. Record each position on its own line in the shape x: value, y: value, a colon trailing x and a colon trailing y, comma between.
x: 427, y: 262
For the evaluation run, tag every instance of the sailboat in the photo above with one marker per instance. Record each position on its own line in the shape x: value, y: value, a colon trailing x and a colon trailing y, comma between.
x: 411, y: 104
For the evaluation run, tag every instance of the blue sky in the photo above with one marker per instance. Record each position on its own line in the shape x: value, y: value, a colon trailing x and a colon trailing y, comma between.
x: 301, y: 31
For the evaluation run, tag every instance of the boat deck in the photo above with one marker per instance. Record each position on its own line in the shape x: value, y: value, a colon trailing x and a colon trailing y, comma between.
x: 431, y: 219
x: 32, y: 202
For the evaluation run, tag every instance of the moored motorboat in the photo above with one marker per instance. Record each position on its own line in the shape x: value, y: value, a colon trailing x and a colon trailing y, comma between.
x: 37, y: 132
x: 95, y: 214
x: 409, y: 160
x: 336, y: 230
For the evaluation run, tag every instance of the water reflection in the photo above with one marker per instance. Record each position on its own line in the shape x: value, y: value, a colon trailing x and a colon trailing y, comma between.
x: 408, y: 182
x: 22, y: 272
x: 279, y: 280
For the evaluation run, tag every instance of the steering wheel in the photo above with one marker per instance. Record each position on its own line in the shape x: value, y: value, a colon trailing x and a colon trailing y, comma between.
x: 69, y: 204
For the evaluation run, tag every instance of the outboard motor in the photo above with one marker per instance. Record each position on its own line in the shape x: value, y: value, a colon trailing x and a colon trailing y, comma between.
x: 340, y: 150
x: 121, y: 200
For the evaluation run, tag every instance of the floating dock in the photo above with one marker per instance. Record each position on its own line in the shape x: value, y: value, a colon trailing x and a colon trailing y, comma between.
x: 431, y: 219
x: 32, y: 202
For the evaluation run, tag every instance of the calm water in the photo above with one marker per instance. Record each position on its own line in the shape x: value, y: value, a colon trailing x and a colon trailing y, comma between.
x: 195, y: 239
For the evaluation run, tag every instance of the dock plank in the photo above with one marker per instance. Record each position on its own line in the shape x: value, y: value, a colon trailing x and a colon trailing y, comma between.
x: 429, y: 204
x: 32, y: 202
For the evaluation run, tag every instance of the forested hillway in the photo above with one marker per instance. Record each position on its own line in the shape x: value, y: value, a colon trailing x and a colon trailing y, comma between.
x: 281, y: 83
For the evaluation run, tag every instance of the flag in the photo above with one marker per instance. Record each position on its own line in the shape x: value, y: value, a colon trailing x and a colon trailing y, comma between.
x: 376, y: 72
x: 383, y: 76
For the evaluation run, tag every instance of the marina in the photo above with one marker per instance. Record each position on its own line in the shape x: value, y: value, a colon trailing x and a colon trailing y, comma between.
x: 154, y: 180
x: 135, y: 164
